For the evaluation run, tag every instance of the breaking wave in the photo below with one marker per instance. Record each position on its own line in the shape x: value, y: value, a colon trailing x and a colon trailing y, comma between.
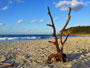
x: 9, y: 38
x: 19, y: 38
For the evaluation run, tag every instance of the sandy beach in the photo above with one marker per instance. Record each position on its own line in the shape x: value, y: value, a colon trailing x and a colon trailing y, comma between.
x: 34, y: 54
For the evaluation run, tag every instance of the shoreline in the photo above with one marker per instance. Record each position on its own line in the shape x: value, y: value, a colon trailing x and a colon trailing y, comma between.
x: 34, y: 53
x: 17, y: 40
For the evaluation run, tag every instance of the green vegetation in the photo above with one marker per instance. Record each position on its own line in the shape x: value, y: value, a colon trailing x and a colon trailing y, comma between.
x: 78, y: 30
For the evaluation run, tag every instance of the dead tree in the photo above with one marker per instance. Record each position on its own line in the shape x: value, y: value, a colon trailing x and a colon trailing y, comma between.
x: 59, y: 56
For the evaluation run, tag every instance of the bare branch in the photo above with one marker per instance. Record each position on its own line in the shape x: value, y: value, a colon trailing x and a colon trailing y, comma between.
x: 54, y: 31
x: 69, y: 10
x: 52, y: 42
x: 65, y: 27
x: 58, y: 37
x: 49, y: 25
x: 66, y: 39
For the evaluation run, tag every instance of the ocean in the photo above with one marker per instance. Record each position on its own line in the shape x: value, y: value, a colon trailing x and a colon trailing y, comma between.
x: 13, y: 38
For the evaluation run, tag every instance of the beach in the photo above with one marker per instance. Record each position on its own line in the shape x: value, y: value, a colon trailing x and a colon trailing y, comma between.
x: 34, y: 53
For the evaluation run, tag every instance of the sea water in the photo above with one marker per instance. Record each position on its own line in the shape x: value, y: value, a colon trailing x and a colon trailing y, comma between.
x: 12, y: 38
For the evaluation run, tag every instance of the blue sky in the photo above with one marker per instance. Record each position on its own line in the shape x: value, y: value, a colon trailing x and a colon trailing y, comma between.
x: 31, y: 16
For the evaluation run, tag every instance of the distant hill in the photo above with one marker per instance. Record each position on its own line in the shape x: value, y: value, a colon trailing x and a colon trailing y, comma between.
x: 78, y: 30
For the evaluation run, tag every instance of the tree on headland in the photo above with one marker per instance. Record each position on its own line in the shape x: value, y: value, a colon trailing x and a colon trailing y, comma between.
x: 59, y: 56
x: 78, y: 30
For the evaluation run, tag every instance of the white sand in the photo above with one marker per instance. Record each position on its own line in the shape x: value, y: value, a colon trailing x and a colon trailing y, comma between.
x: 34, y: 54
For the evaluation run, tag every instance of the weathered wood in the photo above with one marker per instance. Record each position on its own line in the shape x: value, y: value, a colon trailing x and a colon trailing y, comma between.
x: 59, y: 56
x: 62, y: 42
x: 10, y: 65
x: 54, y: 31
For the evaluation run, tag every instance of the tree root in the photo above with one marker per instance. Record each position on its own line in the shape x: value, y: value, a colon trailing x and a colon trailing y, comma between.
x: 58, y: 57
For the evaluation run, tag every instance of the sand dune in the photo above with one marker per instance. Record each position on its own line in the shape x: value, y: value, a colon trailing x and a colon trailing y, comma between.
x: 34, y: 54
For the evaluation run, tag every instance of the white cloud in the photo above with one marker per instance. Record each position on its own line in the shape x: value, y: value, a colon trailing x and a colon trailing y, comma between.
x: 20, y: 21
x: 64, y: 8
x: 41, y: 20
x: 10, y: 2
x: 33, y: 21
x: 54, y: 3
x: 19, y: 1
x: 56, y: 18
x: 5, y: 8
x: 88, y: 2
x: 1, y: 24
x: 74, y: 4
x: 60, y: 3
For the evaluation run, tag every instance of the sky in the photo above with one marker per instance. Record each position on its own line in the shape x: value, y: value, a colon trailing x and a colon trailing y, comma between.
x: 31, y: 16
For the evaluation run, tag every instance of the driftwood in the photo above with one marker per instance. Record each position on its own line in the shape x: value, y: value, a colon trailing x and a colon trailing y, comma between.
x: 59, y: 56
x: 6, y: 64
